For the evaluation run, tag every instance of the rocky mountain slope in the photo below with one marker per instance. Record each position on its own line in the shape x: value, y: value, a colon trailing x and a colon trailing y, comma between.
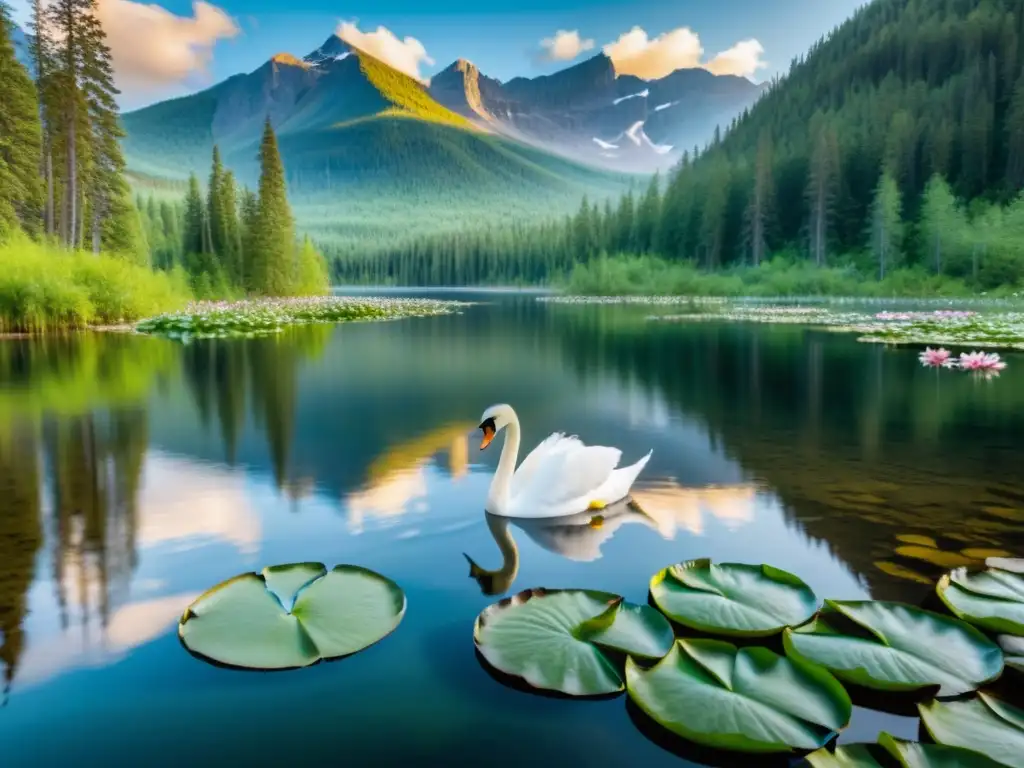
x: 590, y: 113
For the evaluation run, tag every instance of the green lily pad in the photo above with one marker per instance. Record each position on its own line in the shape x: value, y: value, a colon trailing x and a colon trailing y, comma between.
x: 1013, y: 651
x: 983, y: 724
x: 747, y: 699
x: 897, y: 648
x: 907, y: 754
x: 992, y: 599
x: 732, y: 598
x: 848, y: 756
x: 552, y: 639
x: 291, y: 616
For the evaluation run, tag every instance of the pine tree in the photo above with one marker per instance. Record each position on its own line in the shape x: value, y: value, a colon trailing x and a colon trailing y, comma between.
x: 114, y: 219
x: 249, y: 211
x: 821, y: 186
x: 70, y: 110
x: 274, y: 235
x: 231, y: 247
x: 192, y: 235
x: 886, y: 223
x: 647, y: 215
x: 758, y: 211
x: 41, y: 51
x: 20, y: 138
x: 939, y: 220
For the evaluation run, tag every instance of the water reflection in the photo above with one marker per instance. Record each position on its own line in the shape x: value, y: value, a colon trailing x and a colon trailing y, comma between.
x: 575, y: 537
x: 135, y: 473
x: 660, y: 505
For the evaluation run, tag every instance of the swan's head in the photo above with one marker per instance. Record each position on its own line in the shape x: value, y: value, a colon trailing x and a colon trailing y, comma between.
x: 495, y: 419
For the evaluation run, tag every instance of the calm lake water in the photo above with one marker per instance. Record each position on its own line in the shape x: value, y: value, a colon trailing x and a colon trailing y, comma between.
x: 135, y: 473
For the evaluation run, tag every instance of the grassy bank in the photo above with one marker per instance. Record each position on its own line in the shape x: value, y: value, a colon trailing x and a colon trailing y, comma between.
x: 45, y: 288
x: 648, y: 275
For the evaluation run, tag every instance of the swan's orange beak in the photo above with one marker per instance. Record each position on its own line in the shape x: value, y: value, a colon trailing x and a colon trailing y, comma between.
x: 488, y: 431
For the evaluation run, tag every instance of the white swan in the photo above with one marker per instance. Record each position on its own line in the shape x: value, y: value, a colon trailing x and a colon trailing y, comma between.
x: 559, y: 477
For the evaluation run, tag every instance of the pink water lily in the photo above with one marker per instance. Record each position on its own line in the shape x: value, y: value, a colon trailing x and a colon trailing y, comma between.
x: 935, y: 358
x: 981, y: 362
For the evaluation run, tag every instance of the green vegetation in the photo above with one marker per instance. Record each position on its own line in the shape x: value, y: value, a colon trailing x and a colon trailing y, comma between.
x: 46, y: 288
x: 264, y: 317
x: 292, y: 616
x: 783, y: 275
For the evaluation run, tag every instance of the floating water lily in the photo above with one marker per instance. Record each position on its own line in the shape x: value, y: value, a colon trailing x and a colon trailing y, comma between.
x: 936, y: 358
x: 981, y: 362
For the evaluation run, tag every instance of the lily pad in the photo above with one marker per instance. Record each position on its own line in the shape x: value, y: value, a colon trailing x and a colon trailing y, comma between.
x: 732, y: 598
x: 848, y: 756
x: 896, y: 647
x: 292, y: 616
x: 992, y: 599
x: 746, y: 699
x: 552, y: 639
x: 907, y: 754
x: 983, y: 724
x: 1013, y: 651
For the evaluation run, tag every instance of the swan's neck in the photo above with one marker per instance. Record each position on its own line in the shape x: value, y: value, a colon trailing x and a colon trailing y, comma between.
x: 501, y: 485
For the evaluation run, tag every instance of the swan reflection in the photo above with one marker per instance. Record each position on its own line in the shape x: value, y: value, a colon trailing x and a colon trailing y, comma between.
x: 664, y: 507
x: 576, y: 537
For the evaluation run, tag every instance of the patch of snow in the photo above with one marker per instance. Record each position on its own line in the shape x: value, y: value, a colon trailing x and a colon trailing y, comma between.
x: 344, y: 55
x: 607, y: 154
x: 641, y: 95
x: 666, y: 105
x: 605, y: 144
x: 637, y: 136
x: 633, y: 134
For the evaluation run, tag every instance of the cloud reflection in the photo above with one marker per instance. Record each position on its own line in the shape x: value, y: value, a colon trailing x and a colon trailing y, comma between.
x: 675, y: 508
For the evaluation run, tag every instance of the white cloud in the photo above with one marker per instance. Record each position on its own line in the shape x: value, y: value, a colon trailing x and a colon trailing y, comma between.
x: 150, y: 46
x: 743, y: 59
x: 405, y: 55
x: 634, y: 53
x: 565, y: 46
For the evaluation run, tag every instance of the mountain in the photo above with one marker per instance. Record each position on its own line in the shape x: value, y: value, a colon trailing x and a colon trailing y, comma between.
x: 369, y: 153
x: 592, y: 113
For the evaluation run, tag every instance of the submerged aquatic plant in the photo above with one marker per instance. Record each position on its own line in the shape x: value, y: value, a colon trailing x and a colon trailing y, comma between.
x: 936, y: 358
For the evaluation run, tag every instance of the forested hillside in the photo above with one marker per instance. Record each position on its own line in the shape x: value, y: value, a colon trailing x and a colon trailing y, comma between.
x: 898, y: 140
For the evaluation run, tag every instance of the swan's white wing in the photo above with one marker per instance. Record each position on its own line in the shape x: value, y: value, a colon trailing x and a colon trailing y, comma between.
x: 569, y: 475
x: 550, y: 446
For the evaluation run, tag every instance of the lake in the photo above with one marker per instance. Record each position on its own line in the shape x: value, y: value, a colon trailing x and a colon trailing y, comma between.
x: 137, y: 473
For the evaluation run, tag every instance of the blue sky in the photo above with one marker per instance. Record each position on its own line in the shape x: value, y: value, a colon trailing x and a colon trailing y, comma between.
x: 501, y: 36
